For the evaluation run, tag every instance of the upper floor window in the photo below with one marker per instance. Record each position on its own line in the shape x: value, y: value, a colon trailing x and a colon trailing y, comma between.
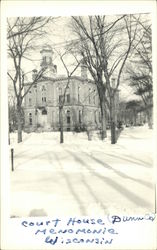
x: 60, y: 91
x: 49, y: 60
x: 44, y: 99
x: 44, y: 59
x: 30, y: 101
x: 43, y: 88
x: 68, y: 98
x: 68, y: 95
x: 60, y: 95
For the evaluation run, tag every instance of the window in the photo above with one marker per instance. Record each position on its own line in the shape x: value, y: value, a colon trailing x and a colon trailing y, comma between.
x: 94, y: 97
x: 44, y: 59
x: 30, y: 101
x: 50, y: 60
x: 44, y: 99
x: 30, y: 118
x: 78, y: 94
x: 80, y: 116
x: 89, y: 98
x: 60, y: 98
x: 60, y: 91
x: 95, y: 116
x: 43, y: 88
x: 68, y: 95
x: 60, y: 95
x: 99, y: 116
x: 68, y: 117
x: 68, y: 98
x: 44, y: 112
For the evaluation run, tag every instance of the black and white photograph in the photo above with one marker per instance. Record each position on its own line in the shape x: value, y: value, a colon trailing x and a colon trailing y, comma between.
x: 80, y: 114
x: 80, y: 96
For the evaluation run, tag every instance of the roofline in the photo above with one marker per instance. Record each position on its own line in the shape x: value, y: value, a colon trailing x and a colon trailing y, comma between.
x: 56, y: 79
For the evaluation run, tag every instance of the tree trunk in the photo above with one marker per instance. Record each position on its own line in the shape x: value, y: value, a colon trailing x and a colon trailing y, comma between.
x: 149, y: 118
x: 103, y: 124
x: 8, y: 137
x: 61, y: 124
x: 19, y: 124
x: 113, y: 120
x: 103, y: 118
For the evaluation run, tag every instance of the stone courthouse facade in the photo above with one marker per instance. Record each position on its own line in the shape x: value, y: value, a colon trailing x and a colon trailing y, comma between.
x: 41, y: 106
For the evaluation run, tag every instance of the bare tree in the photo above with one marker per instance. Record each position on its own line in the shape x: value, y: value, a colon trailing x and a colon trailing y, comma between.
x: 105, y: 46
x: 141, y: 75
x: 63, y: 97
x: 22, y: 34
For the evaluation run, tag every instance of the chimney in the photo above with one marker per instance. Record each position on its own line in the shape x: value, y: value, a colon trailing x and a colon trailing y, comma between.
x: 34, y: 74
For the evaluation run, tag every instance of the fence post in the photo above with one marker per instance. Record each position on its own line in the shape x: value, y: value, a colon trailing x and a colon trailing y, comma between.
x: 12, y: 159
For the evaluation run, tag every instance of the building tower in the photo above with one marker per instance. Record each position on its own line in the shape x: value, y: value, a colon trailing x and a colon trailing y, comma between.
x: 83, y: 70
x: 47, y: 61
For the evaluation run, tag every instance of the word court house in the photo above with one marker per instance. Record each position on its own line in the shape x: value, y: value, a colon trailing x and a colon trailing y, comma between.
x: 41, y: 107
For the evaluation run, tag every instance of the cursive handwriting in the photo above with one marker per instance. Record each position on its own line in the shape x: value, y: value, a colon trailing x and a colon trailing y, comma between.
x: 82, y: 230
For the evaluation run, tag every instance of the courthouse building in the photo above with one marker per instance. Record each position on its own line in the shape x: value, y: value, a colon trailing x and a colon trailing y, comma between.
x: 41, y: 106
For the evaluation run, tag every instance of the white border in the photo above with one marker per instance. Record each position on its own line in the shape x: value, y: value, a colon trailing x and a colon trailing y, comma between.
x: 56, y: 8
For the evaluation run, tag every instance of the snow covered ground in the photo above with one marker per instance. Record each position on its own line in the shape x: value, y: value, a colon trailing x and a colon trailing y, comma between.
x: 82, y: 177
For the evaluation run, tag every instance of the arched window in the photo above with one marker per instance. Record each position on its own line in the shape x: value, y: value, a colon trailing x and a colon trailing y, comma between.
x: 30, y: 118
